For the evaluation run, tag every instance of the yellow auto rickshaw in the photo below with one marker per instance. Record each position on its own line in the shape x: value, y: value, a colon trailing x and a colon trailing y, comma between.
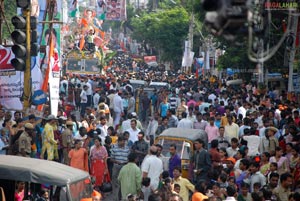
x: 183, y: 139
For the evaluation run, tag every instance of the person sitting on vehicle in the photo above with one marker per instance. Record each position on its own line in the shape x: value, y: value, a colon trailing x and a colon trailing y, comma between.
x: 44, y: 195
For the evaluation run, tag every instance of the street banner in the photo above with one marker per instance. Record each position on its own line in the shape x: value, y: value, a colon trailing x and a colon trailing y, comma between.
x: 150, y: 60
x: 207, y: 64
x: 12, y: 82
x: 54, y: 77
x: 57, y: 16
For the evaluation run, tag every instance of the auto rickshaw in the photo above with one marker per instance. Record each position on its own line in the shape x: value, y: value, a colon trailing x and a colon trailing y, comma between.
x: 64, y: 183
x: 183, y: 139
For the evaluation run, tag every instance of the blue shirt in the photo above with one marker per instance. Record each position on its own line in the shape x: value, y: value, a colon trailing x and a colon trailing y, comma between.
x: 218, y: 123
x: 154, y: 99
x: 163, y: 109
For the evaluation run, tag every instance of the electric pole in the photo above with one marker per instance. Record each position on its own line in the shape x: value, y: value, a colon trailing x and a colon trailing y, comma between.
x: 293, y: 33
x: 27, y: 73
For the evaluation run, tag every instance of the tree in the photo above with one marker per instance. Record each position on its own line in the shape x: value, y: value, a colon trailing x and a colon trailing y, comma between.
x: 165, y: 31
x: 10, y: 10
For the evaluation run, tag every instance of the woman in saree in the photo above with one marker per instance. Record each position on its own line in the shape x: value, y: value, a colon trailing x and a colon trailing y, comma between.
x: 79, y: 157
x: 98, y: 155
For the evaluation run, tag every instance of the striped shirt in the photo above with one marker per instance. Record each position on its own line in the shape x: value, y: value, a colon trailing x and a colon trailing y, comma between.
x: 173, y: 102
x: 120, y: 154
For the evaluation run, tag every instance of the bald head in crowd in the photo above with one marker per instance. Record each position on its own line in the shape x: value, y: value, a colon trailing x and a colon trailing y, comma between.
x: 153, y: 150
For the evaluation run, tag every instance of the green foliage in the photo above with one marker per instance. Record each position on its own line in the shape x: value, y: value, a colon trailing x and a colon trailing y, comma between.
x: 164, y: 30
x: 10, y: 10
x: 235, y: 58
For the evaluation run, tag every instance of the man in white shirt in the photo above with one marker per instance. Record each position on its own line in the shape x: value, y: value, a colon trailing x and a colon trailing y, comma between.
x: 118, y: 108
x: 103, y: 127
x: 241, y: 111
x: 262, y: 130
x: 232, y: 151
x: 185, y: 122
x: 126, y: 124
x: 133, y: 131
x: 131, y: 103
x: 231, y: 193
x: 83, y: 100
x: 256, y: 176
x: 110, y: 96
x: 212, y: 97
x: 152, y: 167
x: 253, y: 143
x: 96, y: 98
x: 152, y: 128
x: 246, y: 124
x: 89, y: 92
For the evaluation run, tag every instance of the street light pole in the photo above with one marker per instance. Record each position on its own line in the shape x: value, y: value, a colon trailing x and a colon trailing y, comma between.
x: 294, y: 23
x: 260, y: 65
x: 27, y: 73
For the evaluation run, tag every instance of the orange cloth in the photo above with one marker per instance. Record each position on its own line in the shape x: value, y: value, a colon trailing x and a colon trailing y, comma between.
x: 79, y: 159
x: 96, y: 194
x: 197, y: 196
x: 81, y: 43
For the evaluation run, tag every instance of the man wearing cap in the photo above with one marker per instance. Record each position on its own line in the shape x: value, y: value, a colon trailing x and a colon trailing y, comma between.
x: 49, y: 142
x: 25, y: 141
x: 67, y: 138
x: 273, y: 142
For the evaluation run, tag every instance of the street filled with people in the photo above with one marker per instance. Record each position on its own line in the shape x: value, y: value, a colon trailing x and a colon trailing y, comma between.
x: 108, y: 127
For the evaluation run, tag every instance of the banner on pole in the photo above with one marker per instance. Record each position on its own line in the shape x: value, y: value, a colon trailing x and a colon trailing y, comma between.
x: 12, y: 82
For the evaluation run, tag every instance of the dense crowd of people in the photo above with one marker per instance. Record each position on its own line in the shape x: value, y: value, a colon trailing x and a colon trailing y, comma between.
x: 252, y: 151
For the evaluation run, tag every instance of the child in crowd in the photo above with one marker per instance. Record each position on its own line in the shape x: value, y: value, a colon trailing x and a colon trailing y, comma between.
x: 256, y: 187
x: 177, y: 188
x: 245, y: 195
x: 273, y: 168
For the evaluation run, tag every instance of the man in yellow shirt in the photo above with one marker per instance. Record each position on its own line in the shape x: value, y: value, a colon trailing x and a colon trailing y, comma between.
x: 49, y: 143
x: 231, y: 129
x: 185, y: 184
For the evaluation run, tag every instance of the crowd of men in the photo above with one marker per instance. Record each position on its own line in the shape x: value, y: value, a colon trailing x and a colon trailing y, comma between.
x: 253, y: 137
